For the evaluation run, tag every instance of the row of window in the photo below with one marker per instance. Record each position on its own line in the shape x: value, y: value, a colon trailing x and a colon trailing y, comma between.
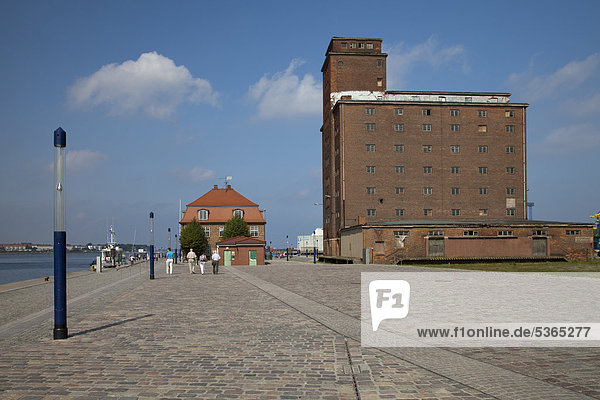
x: 427, y: 148
x: 253, y: 231
x: 429, y: 190
x: 453, y: 113
x: 371, y: 126
x: 482, y: 190
x: 357, y: 45
x: 203, y: 214
x: 428, y: 170
x: 428, y: 212
x: 476, y: 233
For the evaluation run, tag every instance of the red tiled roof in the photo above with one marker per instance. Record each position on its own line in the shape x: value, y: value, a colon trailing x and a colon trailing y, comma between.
x: 234, y: 241
x: 222, y: 197
x: 220, y: 204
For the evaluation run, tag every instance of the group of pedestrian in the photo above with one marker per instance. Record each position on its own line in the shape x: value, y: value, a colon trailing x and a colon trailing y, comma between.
x: 194, y: 260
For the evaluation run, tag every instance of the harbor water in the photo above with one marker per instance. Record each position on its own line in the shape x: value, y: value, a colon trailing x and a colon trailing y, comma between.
x: 20, y: 267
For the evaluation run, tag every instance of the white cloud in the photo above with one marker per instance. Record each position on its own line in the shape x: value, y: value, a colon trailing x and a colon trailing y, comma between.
x: 568, y: 77
x: 77, y: 160
x: 285, y: 95
x: 193, y: 175
x: 401, y: 59
x: 574, y: 139
x: 152, y: 84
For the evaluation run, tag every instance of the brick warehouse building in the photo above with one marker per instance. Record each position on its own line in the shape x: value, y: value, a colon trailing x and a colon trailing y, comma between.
x: 406, y: 157
x: 217, y: 206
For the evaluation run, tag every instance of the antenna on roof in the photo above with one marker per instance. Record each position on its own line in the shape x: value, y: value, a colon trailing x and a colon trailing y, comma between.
x: 227, y: 179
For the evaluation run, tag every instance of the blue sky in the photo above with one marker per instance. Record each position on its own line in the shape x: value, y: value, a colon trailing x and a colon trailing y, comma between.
x: 162, y: 100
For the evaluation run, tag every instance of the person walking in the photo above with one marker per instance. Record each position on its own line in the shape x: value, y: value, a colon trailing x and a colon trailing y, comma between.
x: 215, y: 262
x: 202, y: 262
x: 170, y: 257
x: 191, y: 258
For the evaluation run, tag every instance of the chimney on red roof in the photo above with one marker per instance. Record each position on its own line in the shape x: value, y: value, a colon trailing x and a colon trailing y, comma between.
x: 216, y: 187
x: 228, y: 187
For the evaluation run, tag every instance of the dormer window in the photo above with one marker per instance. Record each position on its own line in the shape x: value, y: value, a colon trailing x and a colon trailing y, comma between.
x: 202, y: 215
x: 238, y: 213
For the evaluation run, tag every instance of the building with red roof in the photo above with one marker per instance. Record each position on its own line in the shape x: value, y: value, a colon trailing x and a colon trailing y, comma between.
x: 218, y: 206
x: 242, y: 250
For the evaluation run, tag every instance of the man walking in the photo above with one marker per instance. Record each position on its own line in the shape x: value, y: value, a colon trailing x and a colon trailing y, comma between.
x: 215, y: 262
x: 191, y: 258
x: 170, y: 257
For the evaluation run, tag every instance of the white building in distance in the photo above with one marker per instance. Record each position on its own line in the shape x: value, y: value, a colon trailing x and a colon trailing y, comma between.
x: 307, y: 243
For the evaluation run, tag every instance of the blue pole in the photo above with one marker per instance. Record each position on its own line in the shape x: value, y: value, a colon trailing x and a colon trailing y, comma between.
x: 60, y: 238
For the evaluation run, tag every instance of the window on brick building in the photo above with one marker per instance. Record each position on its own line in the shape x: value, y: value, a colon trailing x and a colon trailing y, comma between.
x: 238, y: 213
x: 510, y: 170
x: 509, y: 128
x: 379, y: 63
x: 510, y: 212
x: 571, y: 232
x: 483, y: 170
x: 470, y: 233
x: 482, y: 128
x: 371, y: 190
x: 221, y: 229
x: 253, y: 231
x: 510, y: 191
x: 427, y: 191
x: 505, y: 233
x: 206, y: 231
x: 455, y: 212
x: 455, y: 170
x: 398, y: 127
x: 202, y: 215
x: 509, y: 149
x: 370, y: 169
x: 371, y: 212
x: 426, y: 127
x: 427, y: 148
x: 370, y: 126
x: 427, y: 212
x: 344, y: 45
x: 370, y: 111
x: 426, y: 111
x: 539, y: 233
x: 427, y: 170
x: 483, y: 190
x: 481, y: 113
x: 483, y: 212
x: 398, y: 111
x: 509, y: 114
x: 370, y: 147
x: 399, y: 147
x: 455, y: 190
x: 352, y: 45
x: 399, y: 190
x: 361, y: 45
x: 401, y: 233
x: 399, y: 169
x: 454, y: 127
x: 455, y: 149
x: 454, y: 113
x: 436, y: 233
x: 370, y: 46
x: 399, y: 212
x: 482, y: 148
x: 340, y: 63
x: 379, y: 82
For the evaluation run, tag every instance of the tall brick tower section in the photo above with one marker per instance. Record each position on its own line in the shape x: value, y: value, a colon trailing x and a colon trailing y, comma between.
x: 351, y: 64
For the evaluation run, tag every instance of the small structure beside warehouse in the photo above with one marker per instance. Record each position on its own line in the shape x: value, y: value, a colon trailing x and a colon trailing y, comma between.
x: 395, y: 242
x: 242, y: 250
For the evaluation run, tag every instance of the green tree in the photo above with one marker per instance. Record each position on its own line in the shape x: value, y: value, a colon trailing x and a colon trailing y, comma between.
x: 236, y: 226
x: 193, y: 237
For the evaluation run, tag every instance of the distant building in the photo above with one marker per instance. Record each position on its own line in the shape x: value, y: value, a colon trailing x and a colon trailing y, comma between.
x: 218, y: 206
x: 307, y: 243
x: 395, y: 160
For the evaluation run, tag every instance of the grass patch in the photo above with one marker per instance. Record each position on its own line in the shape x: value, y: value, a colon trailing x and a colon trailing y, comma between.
x: 569, y: 266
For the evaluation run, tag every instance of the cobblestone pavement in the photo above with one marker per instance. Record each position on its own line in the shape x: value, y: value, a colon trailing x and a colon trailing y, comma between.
x: 285, y: 330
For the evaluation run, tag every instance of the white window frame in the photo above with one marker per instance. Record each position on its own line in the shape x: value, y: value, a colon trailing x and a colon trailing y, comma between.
x: 203, y: 215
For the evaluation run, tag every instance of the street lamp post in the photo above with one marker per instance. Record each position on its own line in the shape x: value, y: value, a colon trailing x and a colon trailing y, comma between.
x: 60, y: 237
x: 176, y: 249
x: 151, y: 245
x: 287, y: 249
x: 169, y: 230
